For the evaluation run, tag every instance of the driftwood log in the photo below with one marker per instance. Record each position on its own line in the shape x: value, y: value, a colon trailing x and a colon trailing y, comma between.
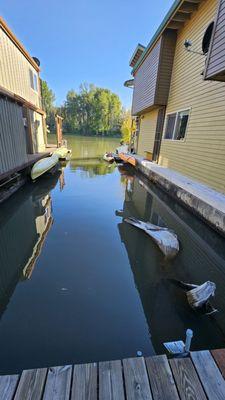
x: 198, y: 295
x: 166, y: 240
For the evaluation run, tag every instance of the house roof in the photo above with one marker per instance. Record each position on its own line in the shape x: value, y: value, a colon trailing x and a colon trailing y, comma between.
x: 18, y: 44
x: 174, y: 19
x: 136, y: 54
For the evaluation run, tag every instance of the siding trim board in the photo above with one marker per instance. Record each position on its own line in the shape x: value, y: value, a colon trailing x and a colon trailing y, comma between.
x: 20, y: 100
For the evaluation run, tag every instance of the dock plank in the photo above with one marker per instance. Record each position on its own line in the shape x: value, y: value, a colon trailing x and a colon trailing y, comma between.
x: 219, y: 357
x: 58, y: 383
x: 8, y: 384
x: 209, y: 374
x: 111, y: 381
x: 161, y: 379
x: 187, y: 380
x: 136, y: 379
x: 31, y: 384
x: 84, y: 386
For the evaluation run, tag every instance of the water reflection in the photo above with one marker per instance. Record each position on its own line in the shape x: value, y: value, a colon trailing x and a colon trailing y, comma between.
x: 201, y: 258
x: 92, y: 167
x: 25, y: 221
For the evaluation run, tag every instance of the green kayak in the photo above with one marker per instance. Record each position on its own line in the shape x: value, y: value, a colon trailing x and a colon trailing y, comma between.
x: 44, y: 165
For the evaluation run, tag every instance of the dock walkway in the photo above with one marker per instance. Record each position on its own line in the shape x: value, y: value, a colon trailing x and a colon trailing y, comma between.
x: 198, y: 377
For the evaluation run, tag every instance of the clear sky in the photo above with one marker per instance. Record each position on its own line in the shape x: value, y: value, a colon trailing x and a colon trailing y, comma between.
x: 86, y: 40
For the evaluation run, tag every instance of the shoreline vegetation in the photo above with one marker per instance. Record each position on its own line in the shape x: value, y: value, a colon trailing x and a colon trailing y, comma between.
x: 92, y: 111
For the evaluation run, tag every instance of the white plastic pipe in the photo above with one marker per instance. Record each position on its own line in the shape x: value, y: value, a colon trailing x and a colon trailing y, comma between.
x: 189, y: 336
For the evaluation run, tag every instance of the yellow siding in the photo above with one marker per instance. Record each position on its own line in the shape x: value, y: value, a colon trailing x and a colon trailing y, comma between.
x: 37, y: 132
x: 14, y: 71
x: 146, y: 138
x: 202, y: 154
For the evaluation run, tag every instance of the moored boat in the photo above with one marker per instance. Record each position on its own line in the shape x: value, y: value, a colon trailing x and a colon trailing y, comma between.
x: 108, y: 157
x: 63, y: 153
x: 44, y: 165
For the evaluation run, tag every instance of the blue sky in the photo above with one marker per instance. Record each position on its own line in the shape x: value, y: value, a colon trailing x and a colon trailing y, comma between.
x: 84, y: 41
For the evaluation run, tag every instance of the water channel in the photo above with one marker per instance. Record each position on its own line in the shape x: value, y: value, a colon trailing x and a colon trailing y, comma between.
x: 78, y: 284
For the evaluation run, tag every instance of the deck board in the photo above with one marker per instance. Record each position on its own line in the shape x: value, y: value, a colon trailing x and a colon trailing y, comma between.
x: 209, y: 374
x: 187, y: 380
x: 8, y: 384
x: 136, y: 379
x: 84, y: 386
x: 31, y: 384
x: 197, y: 377
x: 111, y: 381
x: 161, y: 379
x: 58, y: 383
x: 219, y: 357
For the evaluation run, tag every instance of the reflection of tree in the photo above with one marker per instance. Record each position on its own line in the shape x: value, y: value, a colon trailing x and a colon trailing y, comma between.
x: 92, y: 167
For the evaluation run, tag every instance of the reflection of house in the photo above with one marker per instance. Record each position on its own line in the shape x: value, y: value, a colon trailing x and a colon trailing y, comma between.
x: 25, y: 221
x: 22, y: 120
x: 181, y: 114
x: 43, y: 223
x: 201, y: 258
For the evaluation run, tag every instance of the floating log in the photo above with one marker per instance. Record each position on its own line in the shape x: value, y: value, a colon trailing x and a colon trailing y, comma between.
x: 198, y: 295
x: 165, y: 239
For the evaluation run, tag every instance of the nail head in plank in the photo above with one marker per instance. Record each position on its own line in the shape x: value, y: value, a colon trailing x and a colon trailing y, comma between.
x: 8, y: 384
x: 219, y: 357
x: 31, y: 384
x: 136, y: 379
x: 111, y: 381
x: 84, y: 386
x: 187, y: 380
x: 209, y: 374
x: 58, y: 383
x: 161, y: 379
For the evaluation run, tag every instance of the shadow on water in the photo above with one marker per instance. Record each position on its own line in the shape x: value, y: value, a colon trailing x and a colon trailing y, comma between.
x: 201, y: 258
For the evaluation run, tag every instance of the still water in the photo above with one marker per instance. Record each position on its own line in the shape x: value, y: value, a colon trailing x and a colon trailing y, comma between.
x: 77, y: 284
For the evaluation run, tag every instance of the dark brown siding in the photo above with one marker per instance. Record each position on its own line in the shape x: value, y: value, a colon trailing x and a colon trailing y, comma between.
x: 215, y: 67
x: 152, y: 79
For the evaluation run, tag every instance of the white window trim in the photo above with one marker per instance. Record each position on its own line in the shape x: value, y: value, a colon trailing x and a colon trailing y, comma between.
x: 34, y: 73
x: 177, y: 112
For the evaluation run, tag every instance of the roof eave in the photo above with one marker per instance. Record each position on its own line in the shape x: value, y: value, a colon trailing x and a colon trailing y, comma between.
x: 156, y: 36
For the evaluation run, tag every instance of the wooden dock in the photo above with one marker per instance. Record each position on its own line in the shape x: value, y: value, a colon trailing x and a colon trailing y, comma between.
x: 199, y: 377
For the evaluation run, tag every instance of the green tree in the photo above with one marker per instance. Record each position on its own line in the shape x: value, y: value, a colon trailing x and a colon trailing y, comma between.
x: 92, y: 110
x: 48, y: 99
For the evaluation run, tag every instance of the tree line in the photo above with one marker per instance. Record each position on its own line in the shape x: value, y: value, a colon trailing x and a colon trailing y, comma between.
x: 90, y: 111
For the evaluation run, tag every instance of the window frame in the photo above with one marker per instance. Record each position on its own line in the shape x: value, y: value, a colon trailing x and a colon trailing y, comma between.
x: 33, y: 80
x: 188, y: 109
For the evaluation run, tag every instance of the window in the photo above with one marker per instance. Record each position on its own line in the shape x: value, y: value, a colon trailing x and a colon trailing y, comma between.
x: 33, y: 80
x: 176, y: 125
x: 207, y: 38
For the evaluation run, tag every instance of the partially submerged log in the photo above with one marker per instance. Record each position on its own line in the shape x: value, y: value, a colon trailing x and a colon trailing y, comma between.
x: 198, y: 295
x: 165, y: 239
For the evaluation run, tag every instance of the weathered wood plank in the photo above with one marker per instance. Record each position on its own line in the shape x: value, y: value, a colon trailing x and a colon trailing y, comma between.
x: 209, y: 374
x: 111, y: 381
x: 8, y: 384
x: 136, y: 379
x: 187, y: 380
x: 84, y: 386
x: 161, y: 379
x: 58, y: 383
x: 31, y: 384
x: 219, y: 357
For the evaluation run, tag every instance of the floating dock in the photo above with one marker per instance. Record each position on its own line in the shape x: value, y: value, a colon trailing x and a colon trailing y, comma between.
x: 198, y: 377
